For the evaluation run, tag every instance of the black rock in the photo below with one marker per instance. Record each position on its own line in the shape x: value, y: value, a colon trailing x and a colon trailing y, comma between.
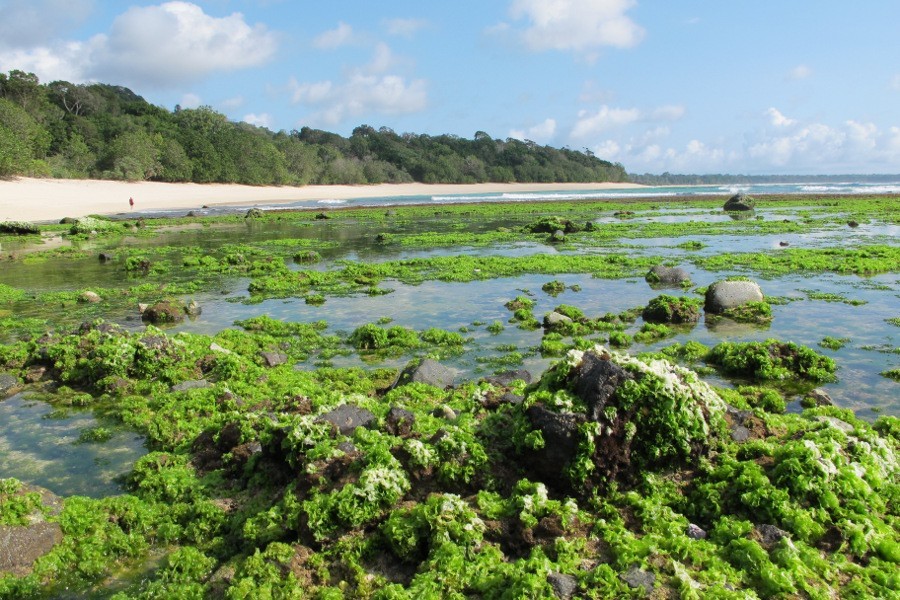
x: 399, y: 422
x: 595, y: 381
x: 507, y: 377
x: 563, y: 585
x: 740, y: 202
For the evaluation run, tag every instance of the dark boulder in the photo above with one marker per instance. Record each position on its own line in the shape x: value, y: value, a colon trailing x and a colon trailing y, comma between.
x: 273, y: 359
x: 564, y: 586
x: 427, y: 371
x: 164, y: 312
x: 254, y: 213
x: 508, y: 377
x: 636, y: 578
x: 741, y: 202
x: 560, y: 434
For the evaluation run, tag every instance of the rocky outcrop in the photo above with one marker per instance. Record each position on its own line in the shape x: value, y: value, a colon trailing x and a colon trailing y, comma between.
x: 740, y: 202
x: 164, y: 312
x: 725, y: 295
x: 607, y: 421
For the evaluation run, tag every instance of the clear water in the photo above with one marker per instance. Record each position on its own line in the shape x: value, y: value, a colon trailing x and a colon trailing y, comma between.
x: 40, y: 449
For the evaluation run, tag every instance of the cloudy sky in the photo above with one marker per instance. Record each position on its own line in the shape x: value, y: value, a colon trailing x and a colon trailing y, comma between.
x: 694, y: 86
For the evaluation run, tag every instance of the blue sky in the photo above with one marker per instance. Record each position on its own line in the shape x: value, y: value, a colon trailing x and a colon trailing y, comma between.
x: 694, y: 86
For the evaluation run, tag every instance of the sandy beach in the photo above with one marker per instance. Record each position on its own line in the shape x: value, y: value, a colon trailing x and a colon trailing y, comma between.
x: 41, y: 200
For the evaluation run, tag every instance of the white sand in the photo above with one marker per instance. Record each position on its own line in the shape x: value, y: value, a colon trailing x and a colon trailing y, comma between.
x: 35, y: 200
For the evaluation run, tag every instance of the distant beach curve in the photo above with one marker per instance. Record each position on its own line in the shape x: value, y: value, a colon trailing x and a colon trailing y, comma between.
x: 36, y: 200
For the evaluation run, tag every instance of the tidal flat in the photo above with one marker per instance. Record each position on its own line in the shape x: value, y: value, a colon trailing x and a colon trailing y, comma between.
x: 486, y: 400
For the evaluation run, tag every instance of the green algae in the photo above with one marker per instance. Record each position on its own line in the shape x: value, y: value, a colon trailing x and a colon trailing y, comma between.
x: 772, y: 360
x: 864, y: 260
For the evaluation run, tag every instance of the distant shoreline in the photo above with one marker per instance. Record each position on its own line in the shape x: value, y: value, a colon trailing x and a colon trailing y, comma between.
x: 42, y: 200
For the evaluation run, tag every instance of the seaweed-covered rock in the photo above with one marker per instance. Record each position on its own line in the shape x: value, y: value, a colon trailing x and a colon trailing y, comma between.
x: 672, y: 309
x: 22, y: 544
x: 724, y: 295
x: 346, y: 418
x: 89, y: 297
x: 552, y: 225
x: 254, y: 213
x: 554, y: 319
x: 399, y: 421
x: 662, y: 276
x: 741, y: 202
x: 164, y: 312
x: 18, y: 228
x: 604, y: 416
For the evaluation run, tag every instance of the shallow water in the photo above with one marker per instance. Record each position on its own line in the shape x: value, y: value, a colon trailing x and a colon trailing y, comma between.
x: 41, y: 450
x: 40, y: 445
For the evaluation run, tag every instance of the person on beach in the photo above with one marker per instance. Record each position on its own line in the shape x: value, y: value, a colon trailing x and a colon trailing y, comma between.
x: 131, y: 202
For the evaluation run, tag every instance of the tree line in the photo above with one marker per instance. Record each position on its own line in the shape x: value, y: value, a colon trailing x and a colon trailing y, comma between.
x: 103, y: 131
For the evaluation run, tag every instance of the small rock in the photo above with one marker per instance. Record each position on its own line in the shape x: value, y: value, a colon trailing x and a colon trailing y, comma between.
x: 819, y: 397
x: 695, y: 532
x: 105, y: 256
x: 217, y: 348
x: 636, y: 577
x: 427, y: 371
x: 321, y: 216
x: 346, y: 418
x: 852, y: 224
x: 8, y: 384
x: 558, y: 236
x: 507, y: 377
x: 783, y: 244
x: 510, y: 398
x: 142, y: 307
x: 399, y: 422
x: 769, y: 535
x: 563, y: 585
x: 89, y: 296
x: 553, y: 319
x: 273, y: 359
x: 253, y: 213
x: 740, y: 433
x: 662, y: 275
x: 35, y: 374
x: 444, y: 412
x: 193, y: 309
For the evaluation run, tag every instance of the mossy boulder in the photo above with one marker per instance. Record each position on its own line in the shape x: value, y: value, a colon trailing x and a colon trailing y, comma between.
x: 672, y: 309
x: 554, y: 224
x: 165, y: 311
x: 599, y: 416
x: 740, y: 202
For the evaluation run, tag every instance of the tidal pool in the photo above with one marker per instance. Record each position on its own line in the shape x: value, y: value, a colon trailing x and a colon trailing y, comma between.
x: 51, y: 447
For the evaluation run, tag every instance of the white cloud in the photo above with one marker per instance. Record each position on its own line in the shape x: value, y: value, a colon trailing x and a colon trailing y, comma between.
x: 404, y: 27
x: 604, y: 119
x: 165, y: 45
x: 667, y: 113
x: 232, y: 103
x: 29, y: 23
x: 607, y: 150
x: 590, y: 124
x: 334, y: 38
x: 777, y: 119
x: 576, y: 25
x: 190, y: 101
x: 800, y: 72
x: 542, y: 132
x: 263, y: 120
x: 371, y: 88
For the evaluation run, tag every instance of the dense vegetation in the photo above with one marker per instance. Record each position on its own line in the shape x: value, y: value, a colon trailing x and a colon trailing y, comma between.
x: 106, y: 131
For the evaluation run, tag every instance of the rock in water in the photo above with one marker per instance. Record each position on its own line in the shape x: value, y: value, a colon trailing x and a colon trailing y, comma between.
x: 662, y: 275
x: 740, y: 202
x: 427, y: 371
x: 723, y: 295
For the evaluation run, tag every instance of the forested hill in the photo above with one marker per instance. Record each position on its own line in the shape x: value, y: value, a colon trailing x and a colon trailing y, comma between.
x: 105, y: 131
